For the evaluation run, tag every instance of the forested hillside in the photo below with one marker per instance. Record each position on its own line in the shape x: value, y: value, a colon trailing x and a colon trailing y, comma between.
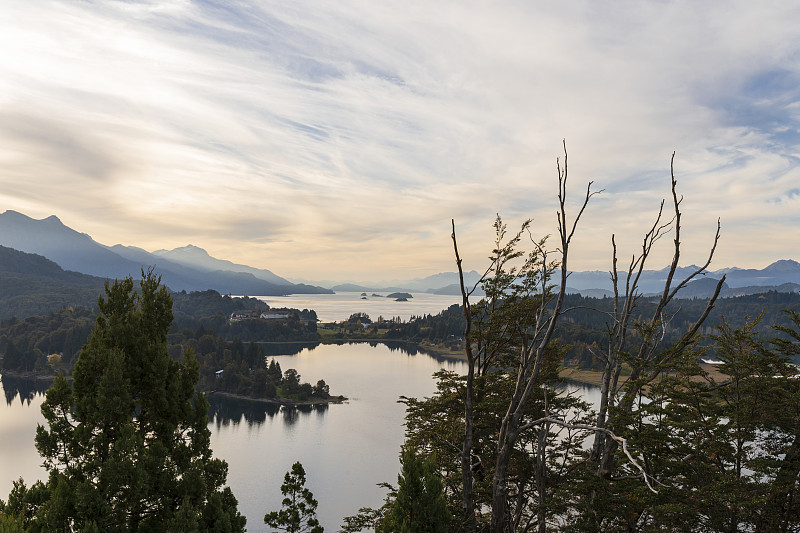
x: 33, y: 285
x: 585, y: 323
x: 50, y: 343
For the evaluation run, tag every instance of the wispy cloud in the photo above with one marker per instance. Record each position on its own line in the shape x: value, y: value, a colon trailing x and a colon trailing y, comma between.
x: 339, y: 139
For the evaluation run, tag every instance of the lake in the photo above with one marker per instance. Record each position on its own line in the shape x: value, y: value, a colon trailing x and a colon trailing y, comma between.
x: 346, y: 449
x: 339, y: 306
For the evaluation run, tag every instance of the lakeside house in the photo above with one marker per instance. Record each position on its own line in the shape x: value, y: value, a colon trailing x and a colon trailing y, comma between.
x: 253, y: 314
x: 272, y: 315
x: 245, y: 314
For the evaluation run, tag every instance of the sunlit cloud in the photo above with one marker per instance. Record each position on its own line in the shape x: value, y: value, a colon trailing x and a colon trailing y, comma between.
x: 338, y: 140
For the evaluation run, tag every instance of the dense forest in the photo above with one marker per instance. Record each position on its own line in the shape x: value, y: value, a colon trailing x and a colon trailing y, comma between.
x: 33, y: 285
x: 583, y: 326
x: 51, y: 344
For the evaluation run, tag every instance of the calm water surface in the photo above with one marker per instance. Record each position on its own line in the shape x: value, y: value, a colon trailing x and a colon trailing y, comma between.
x: 19, y: 414
x: 339, y: 306
x: 346, y: 449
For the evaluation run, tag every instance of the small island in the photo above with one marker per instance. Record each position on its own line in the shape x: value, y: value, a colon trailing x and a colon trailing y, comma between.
x: 269, y: 384
x: 400, y: 296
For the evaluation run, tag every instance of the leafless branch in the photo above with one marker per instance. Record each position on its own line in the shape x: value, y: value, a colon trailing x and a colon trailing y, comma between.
x: 590, y: 427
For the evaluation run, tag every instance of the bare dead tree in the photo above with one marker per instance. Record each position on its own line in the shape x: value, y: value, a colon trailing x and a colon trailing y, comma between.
x: 536, y: 339
x: 636, y: 340
x: 467, y: 498
x: 631, y: 339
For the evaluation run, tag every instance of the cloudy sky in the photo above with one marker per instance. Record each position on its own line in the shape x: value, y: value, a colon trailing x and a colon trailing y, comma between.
x: 336, y: 140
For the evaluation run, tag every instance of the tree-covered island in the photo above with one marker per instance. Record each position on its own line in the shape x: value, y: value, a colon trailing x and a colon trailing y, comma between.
x: 223, y: 332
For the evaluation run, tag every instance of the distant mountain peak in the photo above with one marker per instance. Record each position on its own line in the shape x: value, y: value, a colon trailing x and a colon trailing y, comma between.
x: 186, y: 268
x: 194, y: 249
x: 783, y: 265
x: 188, y: 249
x: 15, y: 217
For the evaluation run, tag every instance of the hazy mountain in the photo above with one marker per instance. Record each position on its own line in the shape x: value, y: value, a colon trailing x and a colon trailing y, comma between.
x: 701, y: 288
x: 780, y: 276
x: 197, y: 258
x: 433, y: 284
x: 760, y: 289
x: 777, y: 274
x: 71, y: 250
x: 179, y: 276
x: 443, y: 279
x: 80, y: 253
x: 192, y: 268
x: 591, y: 293
x: 650, y: 281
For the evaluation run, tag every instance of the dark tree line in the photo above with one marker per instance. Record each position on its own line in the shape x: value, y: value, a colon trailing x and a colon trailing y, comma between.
x: 28, y: 343
x: 212, y: 311
x: 33, y: 285
x: 582, y: 329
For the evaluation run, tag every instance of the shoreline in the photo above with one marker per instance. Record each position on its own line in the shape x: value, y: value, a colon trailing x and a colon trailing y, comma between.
x: 49, y: 378
x: 444, y: 353
x: 32, y: 375
x: 276, y: 401
x: 595, y: 377
x: 585, y: 377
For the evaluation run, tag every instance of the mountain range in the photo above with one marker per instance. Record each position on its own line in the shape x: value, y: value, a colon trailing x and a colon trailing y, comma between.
x: 184, y: 269
x: 191, y: 268
x: 781, y: 276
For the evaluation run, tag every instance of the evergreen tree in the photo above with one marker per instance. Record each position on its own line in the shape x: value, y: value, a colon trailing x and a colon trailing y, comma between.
x: 127, y: 445
x: 299, y: 506
x: 420, y: 505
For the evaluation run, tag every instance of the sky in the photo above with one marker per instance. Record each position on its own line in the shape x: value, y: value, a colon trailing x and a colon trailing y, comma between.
x: 337, y: 140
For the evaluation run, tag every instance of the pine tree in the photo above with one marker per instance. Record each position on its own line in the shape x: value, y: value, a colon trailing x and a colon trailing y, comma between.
x: 420, y: 505
x: 299, y: 510
x: 127, y: 444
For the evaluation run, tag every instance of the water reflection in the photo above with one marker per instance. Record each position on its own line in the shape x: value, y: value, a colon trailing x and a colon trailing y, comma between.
x: 227, y: 411
x: 286, y: 348
x: 354, y: 446
x: 27, y: 389
x: 273, y: 349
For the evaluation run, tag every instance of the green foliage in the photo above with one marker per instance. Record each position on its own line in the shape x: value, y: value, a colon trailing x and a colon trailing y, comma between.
x: 360, y: 318
x: 191, y: 306
x: 29, y: 342
x: 321, y: 389
x: 22, y: 503
x: 127, y: 445
x: 545, y: 464
x: 419, y: 505
x: 724, y: 447
x: 298, y: 514
x: 33, y: 285
x: 584, y: 327
x: 9, y: 524
x: 212, y: 311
